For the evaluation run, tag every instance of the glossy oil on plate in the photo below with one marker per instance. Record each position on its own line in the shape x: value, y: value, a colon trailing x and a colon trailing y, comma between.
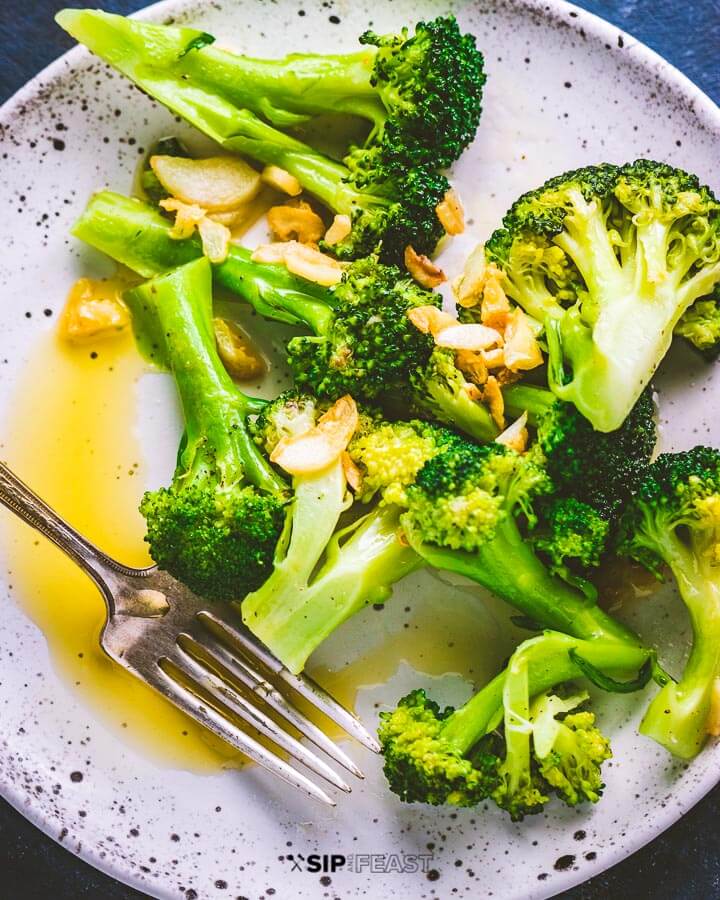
x: 106, y: 772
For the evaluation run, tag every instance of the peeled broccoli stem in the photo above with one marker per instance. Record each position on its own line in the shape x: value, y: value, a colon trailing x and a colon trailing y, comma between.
x: 360, y: 566
x: 507, y: 566
x: 137, y: 236
x: 215, y: 411
x: 677, y: 716
x: 637, y: 303
x: 164, y: 63
x: 543, y: 662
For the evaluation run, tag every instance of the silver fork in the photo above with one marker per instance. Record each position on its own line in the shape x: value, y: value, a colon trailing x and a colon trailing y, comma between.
x: 208, y: 666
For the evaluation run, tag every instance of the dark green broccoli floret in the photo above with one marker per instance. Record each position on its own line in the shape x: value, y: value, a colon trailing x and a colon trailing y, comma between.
x: 543, y: 745
x: 208, y: 88
x: 700, y: 325
x: 674, y: 520
x: 215, y: 527
x: 609, y: 259
x: 571, y: 531
x: 323, y: 575
x: 362, y: 341
x: 469, y: 510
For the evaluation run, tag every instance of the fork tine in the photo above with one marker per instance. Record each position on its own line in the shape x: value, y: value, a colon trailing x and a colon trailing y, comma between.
x: 192, y: 663
x: 168, y: 684
x: 305, y: 686
x: 241, y: 670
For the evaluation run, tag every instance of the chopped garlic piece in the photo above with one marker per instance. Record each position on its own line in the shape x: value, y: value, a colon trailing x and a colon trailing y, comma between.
x: 473, y: 391
x: 492, y: 396
x: 321, y: 445
x: 468, y: 286
x: 281, y: 180
x: 515, y: 436
x: 232, y: 218
x: 494, y: 359
x: 299, y: 223
x: 93, y: 309
x: 472, y: 336
x: 353, y: 475
x: 215, y: 239
x: 187, y: 217
x: 522, y: 351
x: 430, y: 319
x: 312, y: 264
x: 240, y: 356
x: 218, y: 184
x: 451, y: 213
x: 473, y: 365
x: 423, y: 269
x: 495, y: 308
x: 338, y: 231
x: 270, y: 253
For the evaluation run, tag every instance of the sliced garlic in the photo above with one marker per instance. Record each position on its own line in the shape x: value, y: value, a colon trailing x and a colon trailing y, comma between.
x: 515, y: 436
x: 215, y: 239
x: 430, y: 319
x: 218, y: 184
x: 495, y: 308
x: 451, y: 213
x: 522, y: 351
x: 423, y: 269
x: 299, y: 223
x: 492, y: 396
x: 473, y: 365
x: 187, y: 217
x: 270, y: 253
x: 313, y: 265
x: 93, y: 309
x: 338, y: 231
x: 321, y: 445
x: 281, y: 180
x: 472, y: 336
x: 494, y: 359
x: 239, y: 354
x: 353, y: 475
x: 468, y: 286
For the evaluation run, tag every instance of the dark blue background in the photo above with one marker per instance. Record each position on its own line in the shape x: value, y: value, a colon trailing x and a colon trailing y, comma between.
x: 682, y: 863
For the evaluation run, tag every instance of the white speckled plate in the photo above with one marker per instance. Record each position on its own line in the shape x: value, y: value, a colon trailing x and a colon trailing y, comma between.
x: 564, y: 89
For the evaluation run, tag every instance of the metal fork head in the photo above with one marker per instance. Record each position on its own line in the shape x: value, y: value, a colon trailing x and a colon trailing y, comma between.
x: 208, y: 666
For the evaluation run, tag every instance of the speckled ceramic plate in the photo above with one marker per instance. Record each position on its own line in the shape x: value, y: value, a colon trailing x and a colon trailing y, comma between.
x: 564, y: 89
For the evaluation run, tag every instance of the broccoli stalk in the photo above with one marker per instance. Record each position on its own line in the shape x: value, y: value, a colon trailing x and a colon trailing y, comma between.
x: 320, y: 576
x: 362, y: 341
x: 609, y: 259
x: 216, y: 526
x: 448, y: 757
x: 675, y: 520
x: 176, y: 67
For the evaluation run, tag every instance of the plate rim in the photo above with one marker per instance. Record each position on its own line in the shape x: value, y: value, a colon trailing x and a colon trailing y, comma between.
x: 707, y: 111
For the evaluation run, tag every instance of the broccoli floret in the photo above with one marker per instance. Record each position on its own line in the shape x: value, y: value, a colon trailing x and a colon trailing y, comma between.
x: 205, y: 86
x: 609, y: 259
x: 542, y: 747
x: 362, y: 341
x: 322, y: 575
x: 700, y: 325
x: 571, y: 532
x: 469, y: 510
x: 674, y: 520
x: 215, y: 527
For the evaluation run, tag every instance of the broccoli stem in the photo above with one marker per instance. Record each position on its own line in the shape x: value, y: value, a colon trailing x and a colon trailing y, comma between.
x: 361, y: 565
x: 456, y: 407
x: 214, y: 409
x: 536, y: 401
x: 508, y: 566
x: 137, y: 236
x: 678, y: 715
x: 548, y: 664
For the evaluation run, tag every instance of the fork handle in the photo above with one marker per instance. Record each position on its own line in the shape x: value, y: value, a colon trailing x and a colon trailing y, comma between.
x: 26, y: 504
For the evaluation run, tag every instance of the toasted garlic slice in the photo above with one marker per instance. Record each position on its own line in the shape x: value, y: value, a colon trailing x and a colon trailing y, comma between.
x: 494, y: 359
x: 522, y: 351
x: 423, y: 269
x: 321, y: 445
x: 515, y: 436
x: 430, y: 319
x: 495, y: 309
x: 338, y: 231
x: 270, y: 253
x: 215, y: 239
x: 187, y: 217
x: 468, y: 286
x: 473, y: 365
x: 451, y: 213
x: 232, y: 218
x: 712, y: 726
x: 312, y: 264
x: 281, y: 180
x: 218, y: 183
x: 492, y: 396
x: 473, y: 391
x: 353, y: 475
x: 299, y: 223
x: 93, y: 309
x: 240, y: 356
x: 472, y: 336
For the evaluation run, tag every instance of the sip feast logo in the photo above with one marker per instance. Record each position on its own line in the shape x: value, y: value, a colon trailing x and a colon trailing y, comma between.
x: 374, y: 863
